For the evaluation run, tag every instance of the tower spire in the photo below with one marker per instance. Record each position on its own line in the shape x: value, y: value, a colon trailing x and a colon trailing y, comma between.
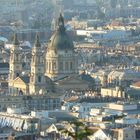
x: 61, y: 25
x: 37, y: 41
x: 15, y: 40
x: 60, y: 20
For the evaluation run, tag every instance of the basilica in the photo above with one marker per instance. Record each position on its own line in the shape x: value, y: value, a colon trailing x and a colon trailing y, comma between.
x: 54, y: 69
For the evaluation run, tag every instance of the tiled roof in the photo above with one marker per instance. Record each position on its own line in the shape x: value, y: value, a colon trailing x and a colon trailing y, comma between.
x: 137, y: 84
x: 86, y: 77
x: 25, y: 78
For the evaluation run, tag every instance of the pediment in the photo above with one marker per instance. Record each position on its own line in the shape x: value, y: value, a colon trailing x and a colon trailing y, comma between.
x: 18, y: 80
x: 100, y: 134
x: 52, y: 128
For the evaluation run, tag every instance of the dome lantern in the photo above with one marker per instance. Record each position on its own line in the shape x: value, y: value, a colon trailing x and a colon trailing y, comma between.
x: 60, y: 40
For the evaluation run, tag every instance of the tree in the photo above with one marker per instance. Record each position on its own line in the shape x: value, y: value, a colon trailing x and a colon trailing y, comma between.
x: 81, y: 131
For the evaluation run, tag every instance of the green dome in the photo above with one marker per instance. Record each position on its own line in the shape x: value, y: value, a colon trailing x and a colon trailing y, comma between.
x: 60, y: 40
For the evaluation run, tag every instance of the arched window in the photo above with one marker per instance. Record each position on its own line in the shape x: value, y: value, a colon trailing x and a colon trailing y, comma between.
x: 23, y: 65
x: 41, y: 60
x: 61, y: 66
x: 38, y: 60
x: 66, y: 66
x: 71, y: 65
x: 39, y: 79
x: 17, y: 74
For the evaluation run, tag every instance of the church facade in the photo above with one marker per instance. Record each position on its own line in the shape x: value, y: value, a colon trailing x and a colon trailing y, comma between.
x: 15, y: 64
x: 51, y: 70
x: 57, y: 62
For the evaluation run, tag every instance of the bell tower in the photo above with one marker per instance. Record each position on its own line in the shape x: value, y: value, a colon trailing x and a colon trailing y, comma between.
x: 15, y: 63
x: 37, y: 79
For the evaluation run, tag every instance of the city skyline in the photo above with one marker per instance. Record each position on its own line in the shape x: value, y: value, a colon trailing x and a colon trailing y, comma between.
x: 70, y: 70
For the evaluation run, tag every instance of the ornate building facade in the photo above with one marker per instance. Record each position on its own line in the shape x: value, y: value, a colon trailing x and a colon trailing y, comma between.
x: 60, y: 56
x: 37, y: 78
x: 51, y: 71
x: 15, y: 63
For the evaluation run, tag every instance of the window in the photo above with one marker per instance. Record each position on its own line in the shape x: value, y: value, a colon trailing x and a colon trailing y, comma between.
x: 41, y: 60
x: 126, y: 135
x: 66, y: 66
x: 61, y: 66
x: 39, y: 79
x: 23, y: 65
x: 71, y: 65
x: 39, y: 69
x: 17, y: 57
x: 17, y: 74
x: 54, y: 65
x: 38, y: 60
